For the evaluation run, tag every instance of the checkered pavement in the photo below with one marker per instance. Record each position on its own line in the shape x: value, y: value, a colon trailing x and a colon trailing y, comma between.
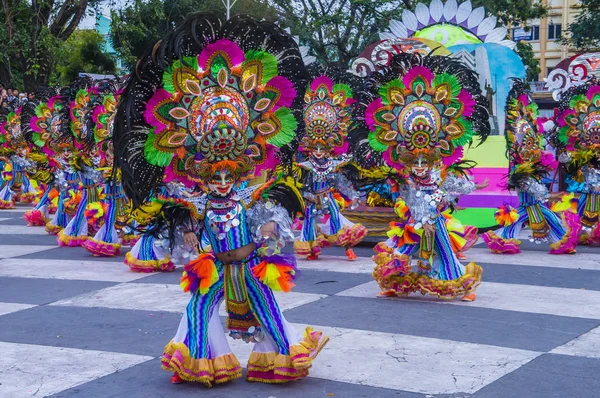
x: 72, y: 325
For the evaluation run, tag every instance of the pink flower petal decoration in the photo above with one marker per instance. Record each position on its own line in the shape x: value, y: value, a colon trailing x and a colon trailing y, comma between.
x: 321, y: 80
x: 287, y: 90
x: 159, y: 96
x: 233, y: 51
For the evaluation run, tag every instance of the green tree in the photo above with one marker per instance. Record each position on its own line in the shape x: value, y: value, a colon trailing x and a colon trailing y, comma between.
x: 583, y: 35
x: 338, y: 30
x: 31, y: 33
x: 83, y: 52
x: 136, y: 28
x: 525, y: 51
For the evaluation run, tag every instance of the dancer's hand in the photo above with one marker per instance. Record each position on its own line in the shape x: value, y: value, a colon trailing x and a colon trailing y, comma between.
x: 482, y: 185
x: 190, y: 240
x: 429, y: 228
x: 268, y: 230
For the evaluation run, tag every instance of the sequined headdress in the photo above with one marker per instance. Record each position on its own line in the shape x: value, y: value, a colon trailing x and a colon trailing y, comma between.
x: 10, y: 130
x: 525, y: 140
x: 424, y: 106
x: 578, y: 120
x: 328, y: 108
x: 211, y: 95
x: 524, y: 131
x: 47, y: 123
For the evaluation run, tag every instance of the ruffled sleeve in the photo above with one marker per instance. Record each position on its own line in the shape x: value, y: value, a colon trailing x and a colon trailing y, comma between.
x: 264, y: 212
x: 455, y: 186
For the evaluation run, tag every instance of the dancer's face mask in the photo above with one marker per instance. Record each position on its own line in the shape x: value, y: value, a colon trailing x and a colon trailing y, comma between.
x: 420, y: 167
x: 221, y: 183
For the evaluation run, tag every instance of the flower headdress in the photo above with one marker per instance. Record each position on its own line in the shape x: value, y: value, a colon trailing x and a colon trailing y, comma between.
x: 11, y: 130
x: 424, y: 106
x: 524, y: 138
x: 212, y: 95
x: 328, y: 109
x: 103, y: 116
x: 524, y: 132
x: 47, y: 122
x: 578, y: 119
x: 80, y: 111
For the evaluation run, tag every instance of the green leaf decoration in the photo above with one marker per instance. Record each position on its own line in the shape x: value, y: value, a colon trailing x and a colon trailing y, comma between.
x: 374, y: 142
x: 467, y: 137
x: 451, y: 80
x: 37, y: 140
x: 153, y: 155
x: 343, y: 87
x: 562, y: 134
x: 288, y: 128
x: 576, y: 99
x: 384, y: 91
x: 268, y: 61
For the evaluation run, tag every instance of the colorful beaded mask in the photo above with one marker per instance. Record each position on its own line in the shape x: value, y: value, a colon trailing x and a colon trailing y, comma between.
x: 220, y: 109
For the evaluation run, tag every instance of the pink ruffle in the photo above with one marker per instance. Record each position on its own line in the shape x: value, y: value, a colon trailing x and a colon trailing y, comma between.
x: 35, y: 218
x: 102, y: 249
x: 570, y: 240
x: 499, y: 245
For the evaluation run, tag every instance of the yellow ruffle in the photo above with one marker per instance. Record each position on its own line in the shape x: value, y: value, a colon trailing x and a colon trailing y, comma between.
x: 307, y: 248
x: 150, y: 265
x: 293, y: 366
x: 394, y: 277
x: 177, y: 359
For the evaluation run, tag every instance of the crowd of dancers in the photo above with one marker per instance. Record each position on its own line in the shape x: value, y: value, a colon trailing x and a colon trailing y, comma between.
x: 223, y: 145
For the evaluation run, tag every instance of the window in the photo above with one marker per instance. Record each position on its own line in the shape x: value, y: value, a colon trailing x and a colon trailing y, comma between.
x: 554, y: 30
x: 529, y: 33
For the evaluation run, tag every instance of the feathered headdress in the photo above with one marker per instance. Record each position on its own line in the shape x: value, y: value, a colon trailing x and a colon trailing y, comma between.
x: 578, y: 119
x: 328, y: 108
x: 523, y: 128
x: 46, y: 124
x: 84, y: 96
x: 211, y: 95
x: 11, y: 130
x: 429, y: 106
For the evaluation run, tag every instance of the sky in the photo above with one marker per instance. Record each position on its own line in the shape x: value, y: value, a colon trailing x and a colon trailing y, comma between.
x: 89, y: 22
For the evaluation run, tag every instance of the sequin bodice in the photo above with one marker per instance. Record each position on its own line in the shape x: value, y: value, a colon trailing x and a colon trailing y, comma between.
x: 226, y: 224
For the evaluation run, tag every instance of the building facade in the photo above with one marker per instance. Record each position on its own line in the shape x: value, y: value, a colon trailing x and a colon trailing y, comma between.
x: 544, y: 33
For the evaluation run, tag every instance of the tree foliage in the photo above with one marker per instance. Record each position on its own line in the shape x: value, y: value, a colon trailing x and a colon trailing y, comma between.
x: 337, y: 30
x: 525, y: 51
x: 136, y: 28
x: 83, y: 52
x: 31, y: 33
x: 583, y: 35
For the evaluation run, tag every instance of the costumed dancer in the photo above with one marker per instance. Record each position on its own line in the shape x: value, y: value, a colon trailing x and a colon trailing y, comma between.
x: 423, y: 110
x: 39, y: 121
x: 328, y: 116
x: 150, y: 252
x: 85, y: 163
x: 15, y: 149
x: 213, y: 103
x: 106, y: 241
x: 578, y: 133
x: 528, y: 165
